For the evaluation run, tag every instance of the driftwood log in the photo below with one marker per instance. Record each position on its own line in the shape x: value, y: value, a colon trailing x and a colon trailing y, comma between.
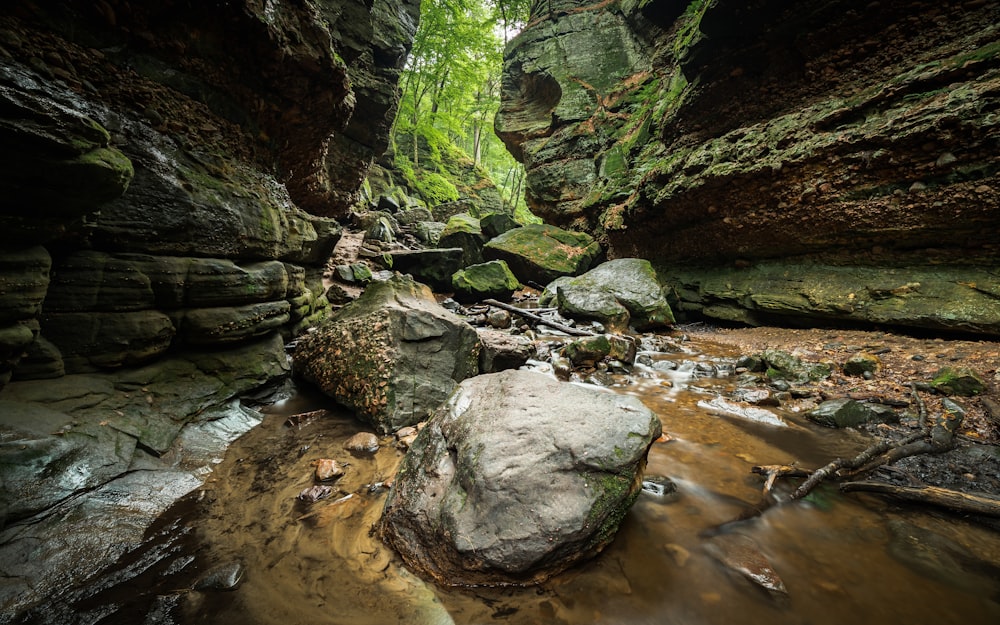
x: 933, y: 495
x: 538, y: 319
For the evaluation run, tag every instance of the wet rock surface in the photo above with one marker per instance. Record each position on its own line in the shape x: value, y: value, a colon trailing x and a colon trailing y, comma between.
x: 619, y: 293
x: 517, y: 478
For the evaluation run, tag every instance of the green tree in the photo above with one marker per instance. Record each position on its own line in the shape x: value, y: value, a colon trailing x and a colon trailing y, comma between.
x: 450, y: 91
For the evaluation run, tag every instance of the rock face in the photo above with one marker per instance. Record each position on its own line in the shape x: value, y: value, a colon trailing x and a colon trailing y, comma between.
x: 855, y: 140
x: 518, y: 477
x: 394, y: 355
x: 157, y: 162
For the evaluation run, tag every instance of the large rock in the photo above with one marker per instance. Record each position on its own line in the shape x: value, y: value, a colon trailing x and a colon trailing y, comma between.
x: 57, y: 162
x: 617, y: 293
x: 517, y: 478
x: 394, y: 355
x: 463, y: 230
x: 493, y: 279
x: 541, y: 253
x: 954, y: 298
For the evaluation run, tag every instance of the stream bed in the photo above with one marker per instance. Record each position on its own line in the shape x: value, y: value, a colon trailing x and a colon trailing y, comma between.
x: 844, y: 559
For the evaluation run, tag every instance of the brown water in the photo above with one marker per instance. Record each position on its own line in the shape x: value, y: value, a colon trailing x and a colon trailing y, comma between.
x: 845, y: 560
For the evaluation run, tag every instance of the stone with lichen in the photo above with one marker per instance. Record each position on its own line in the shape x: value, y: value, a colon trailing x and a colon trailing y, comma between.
x: 394, y: 355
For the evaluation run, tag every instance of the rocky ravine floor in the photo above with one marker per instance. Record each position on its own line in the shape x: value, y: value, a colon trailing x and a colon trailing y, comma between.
x: 904, y: 360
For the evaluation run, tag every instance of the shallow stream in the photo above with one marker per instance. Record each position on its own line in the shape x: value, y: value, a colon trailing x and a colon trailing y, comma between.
x: 844, y: 559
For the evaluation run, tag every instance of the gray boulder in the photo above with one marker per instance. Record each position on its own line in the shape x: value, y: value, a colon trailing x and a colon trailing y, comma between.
x: 518, y: 477
x: 617, y: 293
x: 846, y: 413
x: 394, y: 355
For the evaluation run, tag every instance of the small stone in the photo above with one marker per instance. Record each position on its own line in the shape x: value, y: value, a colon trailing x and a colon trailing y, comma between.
x: 314, y: 494
x: 945, y: 159
x: 227, y: 576
x: 861, y: 364
x: 658, y: 485
x: 362, y: 442
x: 327, y: 469
x: 500, y: 319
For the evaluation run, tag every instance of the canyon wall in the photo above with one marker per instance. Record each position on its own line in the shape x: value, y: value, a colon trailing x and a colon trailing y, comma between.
x: 779, y: 161
x: 171, y: 175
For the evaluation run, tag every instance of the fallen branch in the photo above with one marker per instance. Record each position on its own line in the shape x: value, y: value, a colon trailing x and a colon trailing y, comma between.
x: 943, y: 497
x: 864, y: 458
x: 774, y: 471
x: 934, y: 437
x: 538, y: 319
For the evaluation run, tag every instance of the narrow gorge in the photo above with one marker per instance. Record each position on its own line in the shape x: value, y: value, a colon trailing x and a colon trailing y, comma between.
x: 189, y: 189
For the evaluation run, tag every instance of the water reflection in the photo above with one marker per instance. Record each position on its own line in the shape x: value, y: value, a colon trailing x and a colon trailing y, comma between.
x: 843, y: 559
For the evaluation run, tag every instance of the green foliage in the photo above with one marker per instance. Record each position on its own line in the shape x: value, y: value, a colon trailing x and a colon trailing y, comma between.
x: 450, y: 93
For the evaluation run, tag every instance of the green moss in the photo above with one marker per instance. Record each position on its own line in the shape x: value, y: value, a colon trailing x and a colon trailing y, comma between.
x: 615, y: 495
x: 988, y: 51
x: 958, y: 381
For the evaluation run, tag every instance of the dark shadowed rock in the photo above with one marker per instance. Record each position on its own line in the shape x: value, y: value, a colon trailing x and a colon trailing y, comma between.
x: 518, y: 477
x: 394, y: 355
x: 433, y: 267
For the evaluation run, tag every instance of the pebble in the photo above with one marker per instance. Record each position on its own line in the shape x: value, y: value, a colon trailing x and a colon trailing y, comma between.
x: 227, y: 576
x: 362, y: 442
x: 314, y: 494
x: 328, y: 469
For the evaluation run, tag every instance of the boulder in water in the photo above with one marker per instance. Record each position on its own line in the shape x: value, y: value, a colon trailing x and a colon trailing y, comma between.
x: 516, y: 478
x: 617, y: 293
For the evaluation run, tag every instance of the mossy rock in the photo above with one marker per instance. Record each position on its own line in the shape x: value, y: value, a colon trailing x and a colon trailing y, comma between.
x: 493, y: 279
x: 592, y: 349
x: 464, y: 231
x: 784, y: 366
x: 541, y: 253
x: 862, y: 365
x: 961, y: 381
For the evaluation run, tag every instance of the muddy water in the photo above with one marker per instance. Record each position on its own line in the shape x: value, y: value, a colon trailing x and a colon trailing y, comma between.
x: 843, y: 559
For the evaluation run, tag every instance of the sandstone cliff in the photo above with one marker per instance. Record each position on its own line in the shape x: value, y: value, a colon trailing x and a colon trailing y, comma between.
x: 171, y: 173
x: 158, y: 162
x: 810, y: 162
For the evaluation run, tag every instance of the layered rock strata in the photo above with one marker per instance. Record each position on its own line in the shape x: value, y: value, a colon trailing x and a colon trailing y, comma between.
x: 726, y: 134
x: 171, y: 175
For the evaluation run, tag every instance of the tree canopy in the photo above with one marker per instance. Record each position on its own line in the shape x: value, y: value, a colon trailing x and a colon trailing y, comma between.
x: 450, y: 93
